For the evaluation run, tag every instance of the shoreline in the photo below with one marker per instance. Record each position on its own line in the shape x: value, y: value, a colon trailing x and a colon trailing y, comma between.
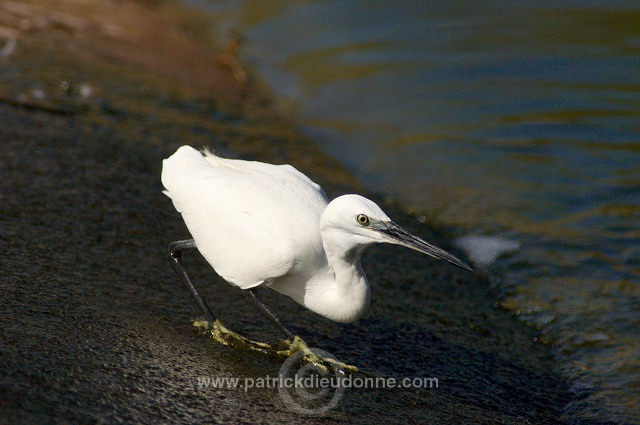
x: 188, y: 63
x: 87, y: 119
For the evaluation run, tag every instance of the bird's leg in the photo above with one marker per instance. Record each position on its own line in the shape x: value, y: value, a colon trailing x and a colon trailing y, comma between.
x: 220, y: 333
x: 212, y: 325
x: 267, y: 312
x: 175, y: 255
x: 296, y: 344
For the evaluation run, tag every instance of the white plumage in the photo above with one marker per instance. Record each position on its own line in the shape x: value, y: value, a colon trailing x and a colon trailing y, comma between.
x: 263, y: 224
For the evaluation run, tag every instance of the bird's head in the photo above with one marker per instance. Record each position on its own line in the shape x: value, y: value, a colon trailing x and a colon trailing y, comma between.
x: 350, y: 223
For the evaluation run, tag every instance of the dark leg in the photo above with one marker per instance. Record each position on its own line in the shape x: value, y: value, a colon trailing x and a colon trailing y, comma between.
x: 267, y: 312
x: 221, y: 334
x: 175, y: 255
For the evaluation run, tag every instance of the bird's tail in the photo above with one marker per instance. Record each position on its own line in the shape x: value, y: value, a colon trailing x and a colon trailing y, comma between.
x: 183, y: 167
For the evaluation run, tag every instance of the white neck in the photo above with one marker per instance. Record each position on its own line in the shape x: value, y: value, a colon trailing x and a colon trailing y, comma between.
x: 342, y: 293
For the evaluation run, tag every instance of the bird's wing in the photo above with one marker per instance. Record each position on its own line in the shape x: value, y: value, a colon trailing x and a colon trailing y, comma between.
x: 244, y: 215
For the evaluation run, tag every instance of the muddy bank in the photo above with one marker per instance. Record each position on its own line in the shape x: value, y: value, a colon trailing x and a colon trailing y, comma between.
x: 96, y: 326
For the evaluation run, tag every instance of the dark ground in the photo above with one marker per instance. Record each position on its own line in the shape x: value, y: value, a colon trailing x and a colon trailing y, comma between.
x: 96, y: 326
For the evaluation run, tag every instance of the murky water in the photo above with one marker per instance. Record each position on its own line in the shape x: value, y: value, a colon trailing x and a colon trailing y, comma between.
x: 506, y: 119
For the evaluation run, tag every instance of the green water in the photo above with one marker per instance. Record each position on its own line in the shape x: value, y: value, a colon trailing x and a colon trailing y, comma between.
x: 515, y: 120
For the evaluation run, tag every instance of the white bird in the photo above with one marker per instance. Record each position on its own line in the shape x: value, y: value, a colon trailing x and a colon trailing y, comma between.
x: 269, y: 225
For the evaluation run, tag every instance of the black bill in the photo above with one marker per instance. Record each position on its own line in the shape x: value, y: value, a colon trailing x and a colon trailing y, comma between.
x: 404, y: 238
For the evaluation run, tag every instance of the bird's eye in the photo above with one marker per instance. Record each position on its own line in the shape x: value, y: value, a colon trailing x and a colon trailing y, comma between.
x: 362, y: 219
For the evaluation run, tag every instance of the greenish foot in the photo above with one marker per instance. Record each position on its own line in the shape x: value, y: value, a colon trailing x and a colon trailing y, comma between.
x: 281, y: 349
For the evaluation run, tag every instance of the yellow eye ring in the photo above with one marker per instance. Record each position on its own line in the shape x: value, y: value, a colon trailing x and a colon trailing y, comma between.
x: 362, y: 219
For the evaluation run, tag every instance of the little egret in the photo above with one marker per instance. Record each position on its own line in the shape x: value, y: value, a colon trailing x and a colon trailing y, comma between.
x: 269, y: 225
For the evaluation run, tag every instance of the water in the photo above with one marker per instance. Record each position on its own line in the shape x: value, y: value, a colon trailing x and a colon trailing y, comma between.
x: 513, y: 120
